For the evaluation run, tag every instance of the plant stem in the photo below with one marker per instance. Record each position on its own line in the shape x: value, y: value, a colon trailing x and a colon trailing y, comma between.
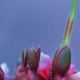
x: 68, y: 31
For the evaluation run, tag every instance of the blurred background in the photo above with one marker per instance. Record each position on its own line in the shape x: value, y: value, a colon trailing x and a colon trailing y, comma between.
x: 34, y: 23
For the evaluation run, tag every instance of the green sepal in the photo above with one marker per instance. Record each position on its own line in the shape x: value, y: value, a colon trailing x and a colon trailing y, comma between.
x: 33, y: 61
x: 61, y: 62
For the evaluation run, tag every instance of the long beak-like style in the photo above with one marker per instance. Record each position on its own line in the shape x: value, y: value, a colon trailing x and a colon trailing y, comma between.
x: 69, y: 26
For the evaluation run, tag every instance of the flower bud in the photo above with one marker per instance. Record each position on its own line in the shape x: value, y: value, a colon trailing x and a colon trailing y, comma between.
x: 61, y: 62
x: 33, y: 60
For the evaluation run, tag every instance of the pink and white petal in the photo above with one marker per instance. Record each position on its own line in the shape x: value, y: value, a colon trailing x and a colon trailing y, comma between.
x: 5, y: 68
x: 45, y: 61
x: 72, y: 69
x: 70, y: 72
x: 77, y: 75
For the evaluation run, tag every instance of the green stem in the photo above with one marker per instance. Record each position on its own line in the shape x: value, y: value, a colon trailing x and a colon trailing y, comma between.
x: 68, y: 31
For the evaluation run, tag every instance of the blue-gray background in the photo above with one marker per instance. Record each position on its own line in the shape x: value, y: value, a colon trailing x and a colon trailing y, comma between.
x: 33, y: 23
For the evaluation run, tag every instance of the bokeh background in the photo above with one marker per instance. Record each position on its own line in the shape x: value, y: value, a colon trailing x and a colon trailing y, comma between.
x: 34, y: 23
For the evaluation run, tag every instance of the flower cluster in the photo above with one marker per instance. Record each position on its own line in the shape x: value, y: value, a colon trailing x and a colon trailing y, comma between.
x: 35, y: 65
x: 39, y: 66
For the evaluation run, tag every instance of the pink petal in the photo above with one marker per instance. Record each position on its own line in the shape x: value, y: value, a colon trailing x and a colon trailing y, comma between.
x: 5, y: 68
x: 45, y: 61
x: 72, y: 69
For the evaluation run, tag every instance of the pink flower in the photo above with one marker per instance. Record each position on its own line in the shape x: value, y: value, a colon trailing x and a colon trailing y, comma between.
x: 44, y: 67
x: 75, y: 76
x: 5, y: 68
x: 22, y: 74
x: 72, y: 75
x: 45, y: 61
x: 4, y: 71
x: 72, y: 69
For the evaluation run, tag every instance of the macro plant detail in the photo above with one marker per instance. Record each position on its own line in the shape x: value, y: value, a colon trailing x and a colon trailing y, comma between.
x: 35, y: 65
